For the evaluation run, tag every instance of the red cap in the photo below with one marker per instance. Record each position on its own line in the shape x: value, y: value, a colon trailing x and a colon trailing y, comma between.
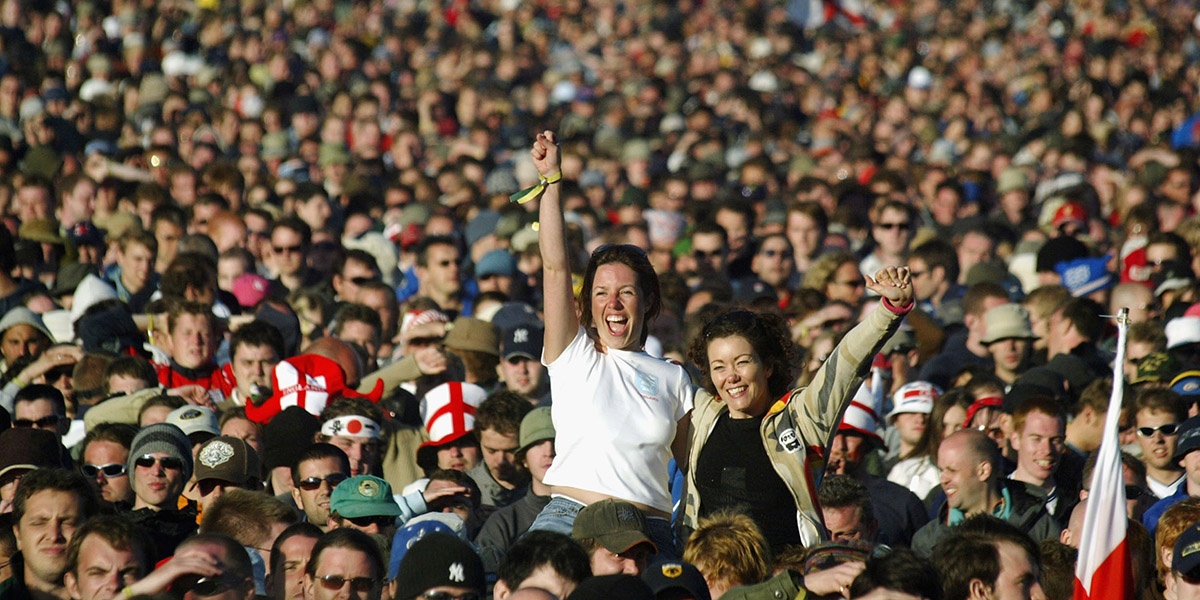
x: 310, y: 382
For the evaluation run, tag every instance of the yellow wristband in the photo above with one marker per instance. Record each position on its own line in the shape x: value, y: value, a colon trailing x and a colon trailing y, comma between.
x: 530, y: 193
x: 126, y: 593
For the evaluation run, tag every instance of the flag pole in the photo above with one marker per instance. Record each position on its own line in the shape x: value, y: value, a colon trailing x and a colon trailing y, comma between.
x: 1103, y: 570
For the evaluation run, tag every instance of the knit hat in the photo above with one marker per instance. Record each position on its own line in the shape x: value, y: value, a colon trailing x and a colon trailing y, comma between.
x: 283, y: 437
x: 161, y: 437
x: 448, y: 412
x: 439, y: 559
x: 861, y: 418
x: 309, y: 381
x: 23, y: 316
x: 496, y: 262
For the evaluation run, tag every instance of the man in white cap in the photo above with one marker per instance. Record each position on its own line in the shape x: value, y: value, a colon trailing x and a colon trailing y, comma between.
x: 911, y: 405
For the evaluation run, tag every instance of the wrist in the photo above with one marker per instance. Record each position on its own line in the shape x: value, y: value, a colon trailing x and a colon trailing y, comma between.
x: 902, y: 309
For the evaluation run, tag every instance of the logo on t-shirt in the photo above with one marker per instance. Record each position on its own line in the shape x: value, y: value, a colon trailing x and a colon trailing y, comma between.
x: 647, y: 384
x: 789, y: 440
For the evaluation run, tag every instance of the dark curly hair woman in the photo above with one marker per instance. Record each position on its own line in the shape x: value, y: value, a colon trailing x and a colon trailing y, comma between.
x: 758, y: 446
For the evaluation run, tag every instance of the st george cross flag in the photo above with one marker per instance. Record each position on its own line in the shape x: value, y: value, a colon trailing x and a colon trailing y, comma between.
x: 1103, y: 571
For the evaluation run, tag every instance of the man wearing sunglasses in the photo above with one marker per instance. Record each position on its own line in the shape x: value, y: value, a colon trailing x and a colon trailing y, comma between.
x: 438, y: 274
x: 228, y: 576
x: 160, y: 464
x: 41, y: 406
x: 318, y: 470
x: 353, y: 269
x: 346, y: 564
x: 1157, y: 414
x: 892, y: 226
x: 1186, y: 456
x: 104, y: 462
x: 364, y: 503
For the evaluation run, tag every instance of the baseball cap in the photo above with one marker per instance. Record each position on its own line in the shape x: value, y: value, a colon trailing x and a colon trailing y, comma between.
x: 524, y: 341
x: 26, y: 448
x: 914, y: 397
x: 536, y: 427
x: 1186, y: 383
x: 438, y: 559
x: 675, y: 575
x: 364, y: 496
x: 496, y: 262
x: 408, y: 535
x: 1189, y: 438
x: 195, y: 420
x: 615, y: 524
x: 1187, y: 553
x: 227, y: 458
x: 250, y: 289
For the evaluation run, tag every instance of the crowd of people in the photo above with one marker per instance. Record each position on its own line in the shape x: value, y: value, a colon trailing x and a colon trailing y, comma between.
x: 450, y: 300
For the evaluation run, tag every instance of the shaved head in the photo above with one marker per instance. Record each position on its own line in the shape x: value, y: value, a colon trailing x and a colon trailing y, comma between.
x: 341, y: 353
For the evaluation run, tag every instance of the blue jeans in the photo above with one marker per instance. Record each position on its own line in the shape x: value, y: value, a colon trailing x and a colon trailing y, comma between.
x: 559, y: 516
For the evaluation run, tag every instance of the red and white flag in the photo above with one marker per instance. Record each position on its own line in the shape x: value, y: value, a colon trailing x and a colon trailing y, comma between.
x: 1103, y: 570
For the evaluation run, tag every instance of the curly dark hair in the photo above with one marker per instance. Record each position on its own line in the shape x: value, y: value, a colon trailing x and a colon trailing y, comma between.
x: 767, y: 333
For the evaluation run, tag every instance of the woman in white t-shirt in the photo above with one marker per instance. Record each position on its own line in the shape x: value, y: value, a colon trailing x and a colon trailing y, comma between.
x: 618, y: 412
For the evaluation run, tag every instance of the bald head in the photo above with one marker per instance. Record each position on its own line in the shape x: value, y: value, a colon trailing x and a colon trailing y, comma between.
x: 227, y: 230
x: 1070, y: 535
x: 1136, y: 297
x: 341, y: 353
x: 975, y: 445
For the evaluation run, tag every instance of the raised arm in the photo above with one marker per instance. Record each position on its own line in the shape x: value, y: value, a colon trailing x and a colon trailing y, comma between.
x: 561, y: 320
x: 818, y: 408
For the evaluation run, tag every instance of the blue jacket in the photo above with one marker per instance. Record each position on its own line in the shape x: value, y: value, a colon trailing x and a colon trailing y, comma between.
x: 1156, y: 510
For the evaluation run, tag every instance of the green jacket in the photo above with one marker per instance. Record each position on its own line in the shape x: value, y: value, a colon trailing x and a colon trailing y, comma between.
x: 798, y: 429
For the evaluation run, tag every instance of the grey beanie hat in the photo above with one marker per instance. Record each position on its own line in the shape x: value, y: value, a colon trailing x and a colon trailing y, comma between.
x: 161, y: 437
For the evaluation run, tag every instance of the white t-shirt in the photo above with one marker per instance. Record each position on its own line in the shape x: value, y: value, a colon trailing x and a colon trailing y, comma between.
x: 614, y: 420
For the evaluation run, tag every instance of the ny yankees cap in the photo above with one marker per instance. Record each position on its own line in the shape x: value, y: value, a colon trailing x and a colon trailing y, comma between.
x: 439, y: 559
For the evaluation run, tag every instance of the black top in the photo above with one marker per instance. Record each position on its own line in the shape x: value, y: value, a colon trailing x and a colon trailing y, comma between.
x: 734, y: 472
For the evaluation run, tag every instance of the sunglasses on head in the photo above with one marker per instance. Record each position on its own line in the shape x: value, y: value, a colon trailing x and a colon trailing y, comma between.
x: 109, y: 470
x: 168, y: 462
x: 46, y: 421
x: 381, y: 521
x: 1168, y: 429
x: 313, y: 483
x: 334, y: 583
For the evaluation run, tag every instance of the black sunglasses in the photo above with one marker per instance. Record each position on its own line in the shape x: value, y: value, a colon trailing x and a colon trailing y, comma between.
x: 110, y: 470
x: 211, y: 586
x: 381, y: 521
x: 1133, y: 492
x: 334, y: 583
x: 313, y: 483
x: 46, y: 421
x: 901, y: 226
x: 168, y: 462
